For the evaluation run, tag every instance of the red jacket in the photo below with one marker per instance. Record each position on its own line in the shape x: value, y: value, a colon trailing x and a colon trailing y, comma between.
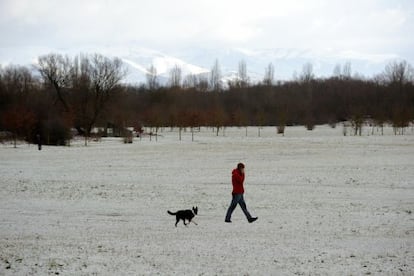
x: 237, y: 180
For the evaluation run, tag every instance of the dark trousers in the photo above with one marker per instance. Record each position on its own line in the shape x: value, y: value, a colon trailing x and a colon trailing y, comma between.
x: 237, y: 199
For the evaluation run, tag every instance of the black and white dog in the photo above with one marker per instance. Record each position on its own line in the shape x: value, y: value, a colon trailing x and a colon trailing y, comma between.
x: 185, y: 215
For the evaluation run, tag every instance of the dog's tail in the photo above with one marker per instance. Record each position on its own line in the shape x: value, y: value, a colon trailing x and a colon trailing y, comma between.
x: 171, y: 213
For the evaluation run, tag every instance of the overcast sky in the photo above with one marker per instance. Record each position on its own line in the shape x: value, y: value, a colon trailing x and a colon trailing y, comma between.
x: 359, y: 27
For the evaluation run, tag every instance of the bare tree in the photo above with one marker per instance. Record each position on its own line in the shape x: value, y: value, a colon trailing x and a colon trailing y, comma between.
x: 398, y: 73
x: 307, y: 73
x: 190, y: 81
x: 81, y: 83
x: 17, y: 80
x: 79, y: 75
x: 106, y: 74
x: 215, y: 77
x: 243, y: 79
x: 357, y: 121
x: 175, y: 76
x: 337, y: 71
x: 216, y: 117
x: 306, y: 78
x: 202, y: 84
x: 55, y: 69
x: 95, y: 80
x: 269, y: 75
x: 152, y: 78
x: 346, y: 71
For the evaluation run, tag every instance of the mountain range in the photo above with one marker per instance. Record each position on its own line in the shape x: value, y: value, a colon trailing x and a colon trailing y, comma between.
x: 287, y: 63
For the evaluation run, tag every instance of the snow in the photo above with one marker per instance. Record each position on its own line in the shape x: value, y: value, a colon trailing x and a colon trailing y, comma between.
x: 327, y: 205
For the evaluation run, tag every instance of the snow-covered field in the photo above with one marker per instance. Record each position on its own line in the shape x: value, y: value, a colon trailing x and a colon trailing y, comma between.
x: 327, y: 205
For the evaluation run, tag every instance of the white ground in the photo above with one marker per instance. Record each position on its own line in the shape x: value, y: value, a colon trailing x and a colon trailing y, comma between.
x: 327, y: 205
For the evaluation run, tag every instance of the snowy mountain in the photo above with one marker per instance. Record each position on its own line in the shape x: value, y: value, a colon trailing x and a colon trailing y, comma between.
x: 287, y: 62
x: 138, y: 62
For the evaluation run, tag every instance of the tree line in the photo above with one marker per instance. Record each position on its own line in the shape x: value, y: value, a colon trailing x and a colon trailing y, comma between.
x: 62, y: 94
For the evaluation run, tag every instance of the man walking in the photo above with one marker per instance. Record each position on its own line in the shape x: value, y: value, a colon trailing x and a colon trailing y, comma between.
x: 237, y: 180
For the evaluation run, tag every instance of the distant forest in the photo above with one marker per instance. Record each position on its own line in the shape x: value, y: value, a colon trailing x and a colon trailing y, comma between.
x: 63, y: 93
